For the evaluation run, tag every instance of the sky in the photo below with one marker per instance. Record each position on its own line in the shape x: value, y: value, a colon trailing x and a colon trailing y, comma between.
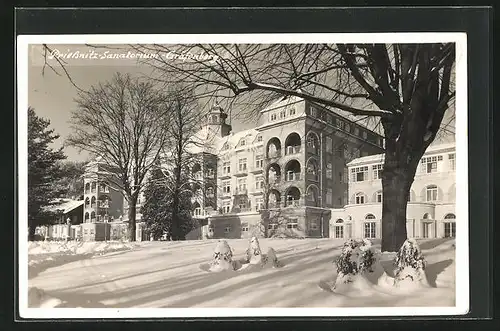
x: 52, y: 94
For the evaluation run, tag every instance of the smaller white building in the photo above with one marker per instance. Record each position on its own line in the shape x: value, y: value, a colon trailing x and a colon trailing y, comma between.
x: 431, y: 205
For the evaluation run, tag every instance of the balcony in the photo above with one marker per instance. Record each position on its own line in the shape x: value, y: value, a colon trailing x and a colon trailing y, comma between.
x: 274, y: 155
x: 241, y: 191
x: 292, y: 203
x: 242, y: 172
x: 103, y: 204
x: 292, y: 150
x: 292, y: 176
x: 257, y: 169
x: 312, y: 177
x: 225, y: 175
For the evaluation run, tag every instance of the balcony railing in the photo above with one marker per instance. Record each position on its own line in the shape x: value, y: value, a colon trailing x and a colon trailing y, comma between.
x: 292, y: 176
x: 292, y: 203
x: 240, y: 191
x: 273, y: 155
x: 292, y: 150
x: 103, y: 204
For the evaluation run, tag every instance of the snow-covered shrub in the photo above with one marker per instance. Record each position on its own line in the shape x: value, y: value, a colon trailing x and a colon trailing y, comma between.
x: 223, y: 257
x: 271, y: 259
x: 254, y: 253
x: 410, y: 265
x: 357, y: 261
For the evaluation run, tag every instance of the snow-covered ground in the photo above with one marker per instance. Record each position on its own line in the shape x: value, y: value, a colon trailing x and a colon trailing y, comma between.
x: 168, y: 274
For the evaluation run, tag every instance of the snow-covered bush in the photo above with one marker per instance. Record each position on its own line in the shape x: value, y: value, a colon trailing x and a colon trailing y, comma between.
x: 223, y: 257
x: 410, y: 265
x: 271, y: 259
x: 356, y: 261
x: 254, y: 253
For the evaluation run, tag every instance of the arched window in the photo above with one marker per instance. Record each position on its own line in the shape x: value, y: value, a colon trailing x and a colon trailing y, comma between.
x: 103, y: 187
x: 292, y: 169
x: 210, y: 191
x: 87, y: 201
x: 312, y: 142
x: 312, y: 195
x: 339, y: 229
x: 274, y: 199
x: 426, y: 216
x: 431, y: 193
x: 292, y: 197
x: 292, y: 143
x: 86, y: 217
x: 274, y: 173
x: 273, y: 148
x: 449, y: 217
x: 93, y: 187
x: 312, y: 169
x: 449, y: 226
x: 92, y: 216
x: 87, y: 188
x: 370, y: 227
x: 359, y: 198
x: 92, y: 202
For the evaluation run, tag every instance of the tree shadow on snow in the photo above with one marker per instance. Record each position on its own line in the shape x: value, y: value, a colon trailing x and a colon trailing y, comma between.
x: 57, y: 261
x: 433, y: 270
x: 433, y: 243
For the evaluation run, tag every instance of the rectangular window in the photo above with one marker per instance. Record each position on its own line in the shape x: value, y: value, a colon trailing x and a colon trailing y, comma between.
x: 377, y: 171
x: 226, y: 168
x: 359, y: 174
x: 292, y: 111
x: 227, y: 229
x: 329, y: 170
x: 226, y: 207
x: 259, y: 161
x: 259, y: 204
x: 432, y: 193
x: 313, y: 111
x: 242, y: 185
x: 243, y: 142
x: 329, y: 144
x: 365, y: 135
x: 360, y: 199
x: 272, y: 226
x: 226, y: 187
x: 329, y: 196
x: 210, y: 172
x: 449, y: 229
x: 451, y: 158
x: 242, y: 165
x: 259, y: 183
x: 292, y: 223
x: 282, y: 114
x: 339, y: 123
x: 244, y: 227
x: 259, y: 139
x: 370, y: 230
x: 92, y: 231
x: 356, y: 131
x: 339, y: 231
x: 429, y: 164
x: 273, y: 117
x: 243, y: 204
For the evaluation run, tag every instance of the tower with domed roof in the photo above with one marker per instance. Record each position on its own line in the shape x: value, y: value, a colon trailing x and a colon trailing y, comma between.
x: 216, y: 121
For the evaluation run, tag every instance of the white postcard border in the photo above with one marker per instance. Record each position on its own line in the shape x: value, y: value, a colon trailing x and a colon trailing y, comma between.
x: 462, y: 246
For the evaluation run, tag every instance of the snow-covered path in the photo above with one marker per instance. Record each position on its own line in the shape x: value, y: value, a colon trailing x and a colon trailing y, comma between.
x: 167, y: 274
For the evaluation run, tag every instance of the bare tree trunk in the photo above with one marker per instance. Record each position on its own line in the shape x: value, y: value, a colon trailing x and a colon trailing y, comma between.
x: 396, y: 182
x: 131, y: 218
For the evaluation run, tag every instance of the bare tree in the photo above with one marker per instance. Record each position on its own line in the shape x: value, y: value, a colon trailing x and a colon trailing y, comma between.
x: 124, y: 122
x: 407, y: 88
x: 184, y: 151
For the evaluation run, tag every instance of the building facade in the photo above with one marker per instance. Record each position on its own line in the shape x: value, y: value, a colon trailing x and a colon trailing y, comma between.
x: 282, y: 177
x: 103, y: 204
x: 431, y: 204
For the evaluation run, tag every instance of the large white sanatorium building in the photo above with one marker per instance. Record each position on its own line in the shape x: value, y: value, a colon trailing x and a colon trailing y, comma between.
x: 302, y: 171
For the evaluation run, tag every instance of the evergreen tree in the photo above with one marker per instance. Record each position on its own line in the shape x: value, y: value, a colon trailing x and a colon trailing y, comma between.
x: 44, y: 170
x: 72, y: 181
x: 158, y: 209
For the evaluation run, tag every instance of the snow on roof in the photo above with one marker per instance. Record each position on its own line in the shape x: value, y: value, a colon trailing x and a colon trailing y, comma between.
x: 379, y: 158
x: 233, y: 139
x: 66, y: 205
x: 281, y: 102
